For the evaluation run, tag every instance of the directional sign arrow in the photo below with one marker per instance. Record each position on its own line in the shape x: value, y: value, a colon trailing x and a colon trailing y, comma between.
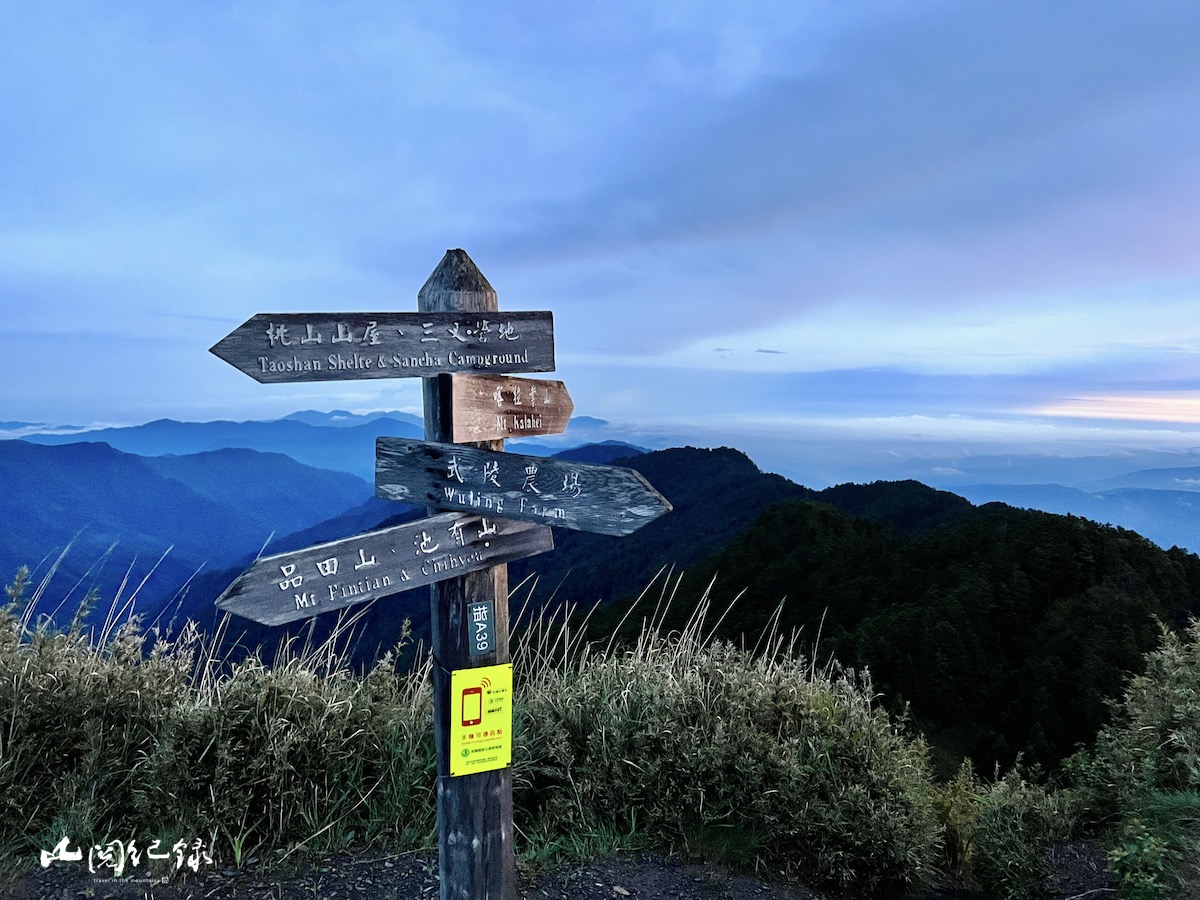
x: 287, y: 347
x: 291, y: 586
x: 582, y: 496
x: 493, y: 407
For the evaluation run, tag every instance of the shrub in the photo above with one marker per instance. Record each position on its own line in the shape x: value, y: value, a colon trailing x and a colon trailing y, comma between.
x: 75, y: 719
x: 958, y: 804
x: 1153, y: 742
x: 680, y: 742
x: 100, y: 739
x: 1016, y: 821
x: 1142, y: 777
x: 1153, y: 844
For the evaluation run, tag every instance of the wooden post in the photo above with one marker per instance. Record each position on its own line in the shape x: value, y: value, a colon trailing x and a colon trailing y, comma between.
x: 475, y: 816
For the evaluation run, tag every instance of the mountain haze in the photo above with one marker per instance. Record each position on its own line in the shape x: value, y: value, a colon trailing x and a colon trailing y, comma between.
x: 209, y: 509
x: 342, y: 448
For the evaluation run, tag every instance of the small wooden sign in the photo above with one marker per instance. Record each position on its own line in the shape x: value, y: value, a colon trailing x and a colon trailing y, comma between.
x: 494, y: 407
x: 288, y: 347
x: 581, y: 496
x: 290, y: 586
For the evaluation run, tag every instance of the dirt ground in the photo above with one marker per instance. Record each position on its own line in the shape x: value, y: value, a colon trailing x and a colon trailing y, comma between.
x: 1077, y: 871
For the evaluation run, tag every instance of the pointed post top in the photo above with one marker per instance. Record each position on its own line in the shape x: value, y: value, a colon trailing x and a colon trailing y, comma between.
x: 457, y: 285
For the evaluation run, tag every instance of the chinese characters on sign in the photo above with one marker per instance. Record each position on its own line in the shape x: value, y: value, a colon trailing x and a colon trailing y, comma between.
x: 290, y: 586
x: 603, y: 499
x: 289, y: 347
x: 491, y: 407
x: 480, y: 719
x: 481, y: 624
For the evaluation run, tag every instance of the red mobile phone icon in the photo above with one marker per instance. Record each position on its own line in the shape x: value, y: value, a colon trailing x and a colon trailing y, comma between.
x: 472, y: 706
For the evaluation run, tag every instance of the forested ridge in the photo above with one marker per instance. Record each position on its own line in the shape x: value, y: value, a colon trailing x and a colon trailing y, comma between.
x: 1003, y: 630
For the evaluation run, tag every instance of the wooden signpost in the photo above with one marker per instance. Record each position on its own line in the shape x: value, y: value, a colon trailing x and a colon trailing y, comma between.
x: 461, y: 346
x: 487, y: 407
x: 288, y: 347
x: 580, y: 496
x: 290, y: 586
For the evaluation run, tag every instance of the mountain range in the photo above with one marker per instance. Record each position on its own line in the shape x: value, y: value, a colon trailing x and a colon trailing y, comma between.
x: 1004, y: 628
x: 119, y: 512
x: 1152, y: 485
x: 342, y: 447
x: 1169, y: 517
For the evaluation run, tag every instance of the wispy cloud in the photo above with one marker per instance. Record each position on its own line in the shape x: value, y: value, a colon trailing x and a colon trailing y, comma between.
x: 1181, y: 408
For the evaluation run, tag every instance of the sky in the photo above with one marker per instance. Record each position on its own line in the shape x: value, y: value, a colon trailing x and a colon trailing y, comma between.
x: 817, y: 231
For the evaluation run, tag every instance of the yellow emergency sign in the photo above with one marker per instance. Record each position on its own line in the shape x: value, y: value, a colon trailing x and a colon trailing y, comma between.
x: 481, y: 719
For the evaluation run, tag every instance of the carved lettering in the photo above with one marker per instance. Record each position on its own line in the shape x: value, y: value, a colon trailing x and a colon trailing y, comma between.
x: 521, y: 423
x: 474, y: 499
x: 487, y: 360
x: 294, y: 364
x: 342, y: 591
x: 415, y: 362
x: 538, y: 509
x: 339, y: 363
x: 450, y: 561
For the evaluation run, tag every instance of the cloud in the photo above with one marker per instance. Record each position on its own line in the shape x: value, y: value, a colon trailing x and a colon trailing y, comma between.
x: 937, y: 159
x: 838, y: 209
x: 1180, y: 407
x: 1098, y: 338
x: 944, y: 111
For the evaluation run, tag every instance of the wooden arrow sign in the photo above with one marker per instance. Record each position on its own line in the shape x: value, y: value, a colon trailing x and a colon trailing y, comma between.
x: 287, y: 347
x: 494, y: 407
x: 290, y: 586
x: 582, y: 496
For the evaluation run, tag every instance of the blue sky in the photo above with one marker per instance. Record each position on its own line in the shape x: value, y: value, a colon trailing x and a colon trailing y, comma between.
x: 793, y: 227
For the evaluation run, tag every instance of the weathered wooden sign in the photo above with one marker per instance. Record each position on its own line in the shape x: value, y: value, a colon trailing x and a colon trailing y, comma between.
x: 288, y: 347
x: 582, y: 496
x: 290, y: 586
x: 503, y: 503
x: 492, y: 407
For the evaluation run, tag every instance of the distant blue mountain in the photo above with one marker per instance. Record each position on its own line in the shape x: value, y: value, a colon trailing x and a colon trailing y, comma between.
x: 1168, y: 518
x: 270, y: 490
x: 339, y: 440
x: 1177, y: 479
x: 349, y: 448
x: 120, y: 512
x: 602, y: 453
x: 1084, y: 472
x: 340, y: 418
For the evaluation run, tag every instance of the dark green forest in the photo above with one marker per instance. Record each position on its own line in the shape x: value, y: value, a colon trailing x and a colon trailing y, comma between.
x: 1003, y: 631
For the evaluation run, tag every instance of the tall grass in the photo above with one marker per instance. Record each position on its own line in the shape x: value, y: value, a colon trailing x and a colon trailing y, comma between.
x: 1141, y: 778
x: 760, y: 758
x: 751, y: 756
x: 100, y: 739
